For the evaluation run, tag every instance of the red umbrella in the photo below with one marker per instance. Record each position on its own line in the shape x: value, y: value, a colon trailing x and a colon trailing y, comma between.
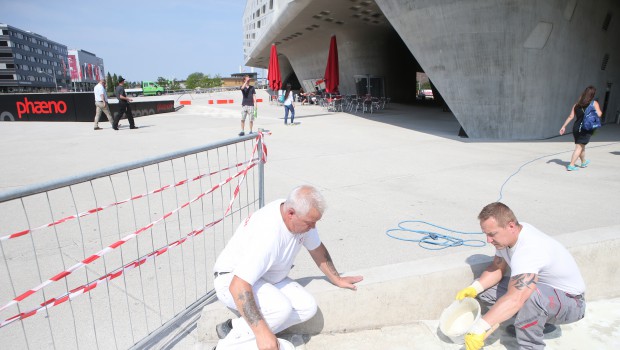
x: 275, y: 80
x: 331, y: 71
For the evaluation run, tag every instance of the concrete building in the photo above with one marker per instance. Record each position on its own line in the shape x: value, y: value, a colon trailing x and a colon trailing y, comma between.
x: 508, y: 70
x: 85, y: 68
x: 30, y: 62
x: 236, y: 79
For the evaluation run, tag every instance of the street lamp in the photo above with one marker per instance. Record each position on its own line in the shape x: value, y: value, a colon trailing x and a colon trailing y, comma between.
x: 55, y: 82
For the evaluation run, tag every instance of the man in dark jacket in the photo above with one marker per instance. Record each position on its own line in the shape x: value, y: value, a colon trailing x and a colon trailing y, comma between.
x: 123, y: 103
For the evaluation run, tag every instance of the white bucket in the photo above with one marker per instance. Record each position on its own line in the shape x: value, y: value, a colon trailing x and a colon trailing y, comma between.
x: 458, y: 318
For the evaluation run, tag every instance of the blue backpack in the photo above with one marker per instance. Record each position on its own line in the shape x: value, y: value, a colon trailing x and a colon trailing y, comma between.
x: 591, y: 120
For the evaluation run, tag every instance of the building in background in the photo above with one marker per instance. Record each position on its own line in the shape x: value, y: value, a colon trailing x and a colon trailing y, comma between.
x: 30, y: 62
x: 236, y: 79
x: 508, y: 70
x: 85, y: 68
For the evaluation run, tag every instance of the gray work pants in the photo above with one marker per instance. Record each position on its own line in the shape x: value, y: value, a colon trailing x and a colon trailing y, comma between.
x: 545, y: 305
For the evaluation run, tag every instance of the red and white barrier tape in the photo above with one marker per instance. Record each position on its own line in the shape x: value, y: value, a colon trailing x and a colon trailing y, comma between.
x: 105, y: 279
x: 129, y: 237
x: 95, y: 210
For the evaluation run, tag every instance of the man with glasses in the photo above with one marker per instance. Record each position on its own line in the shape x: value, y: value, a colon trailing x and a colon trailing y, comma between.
x: 251, y: 273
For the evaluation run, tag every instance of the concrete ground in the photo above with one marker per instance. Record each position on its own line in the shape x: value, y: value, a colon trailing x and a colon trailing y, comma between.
x: 598, y: 330
x: 402, y: 163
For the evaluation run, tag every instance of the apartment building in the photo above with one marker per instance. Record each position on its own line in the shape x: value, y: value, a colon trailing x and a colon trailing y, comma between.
x: 30, y: 62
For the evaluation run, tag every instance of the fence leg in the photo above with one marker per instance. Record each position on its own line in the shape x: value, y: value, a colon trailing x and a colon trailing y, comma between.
x: 261, y: 173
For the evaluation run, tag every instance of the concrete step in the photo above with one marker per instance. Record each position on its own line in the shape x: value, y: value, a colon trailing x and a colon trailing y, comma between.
x: 598, y: 330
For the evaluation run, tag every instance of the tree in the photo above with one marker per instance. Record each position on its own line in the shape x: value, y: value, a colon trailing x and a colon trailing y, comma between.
x: 109, y: 83
x: 194, y: 80
x: 174, y: 85
x: 209, y: 82
x: 114, y: 80
x: 163, y: 82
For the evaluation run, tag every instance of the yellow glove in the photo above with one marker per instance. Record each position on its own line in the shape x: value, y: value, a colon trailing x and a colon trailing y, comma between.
x: 471, y: 291
x: 474, y: 339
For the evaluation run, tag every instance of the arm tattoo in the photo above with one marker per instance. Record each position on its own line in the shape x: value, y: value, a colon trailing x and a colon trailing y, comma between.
x: 250, y: 310
x: 330, y: 264
x: 524, y: 280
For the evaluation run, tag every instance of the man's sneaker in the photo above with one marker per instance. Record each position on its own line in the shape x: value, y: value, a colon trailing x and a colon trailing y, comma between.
x: 251, y: 132
x: 241, y: 133
x: 223, y: 328
x: 585, y: 164
x: 548, y: 329
x: 97, y: 128
x: 571, y: 168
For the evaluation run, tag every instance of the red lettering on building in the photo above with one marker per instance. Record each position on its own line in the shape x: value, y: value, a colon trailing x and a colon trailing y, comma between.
x: 40, y: 107
x: 165, y: 107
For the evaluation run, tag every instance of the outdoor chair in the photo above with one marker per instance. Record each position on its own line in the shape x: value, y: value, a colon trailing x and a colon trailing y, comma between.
x: 367, y: 106
x: 355, y: 103
x: 375, y: 104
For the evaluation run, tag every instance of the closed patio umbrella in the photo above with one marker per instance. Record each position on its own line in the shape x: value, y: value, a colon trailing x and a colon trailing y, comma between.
x: 275, y: 80
x: 332, y: 71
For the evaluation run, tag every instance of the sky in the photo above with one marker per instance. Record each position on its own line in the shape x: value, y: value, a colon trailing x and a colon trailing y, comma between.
x: 141, y: 39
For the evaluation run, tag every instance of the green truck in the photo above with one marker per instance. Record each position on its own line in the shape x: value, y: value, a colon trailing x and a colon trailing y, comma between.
x: 148, y: 88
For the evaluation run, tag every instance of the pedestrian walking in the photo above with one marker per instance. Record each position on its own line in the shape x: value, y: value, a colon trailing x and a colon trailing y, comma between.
x: 123, y: 103
x: 101, y: 104
x: 581, y: 136
x: 289, y: 104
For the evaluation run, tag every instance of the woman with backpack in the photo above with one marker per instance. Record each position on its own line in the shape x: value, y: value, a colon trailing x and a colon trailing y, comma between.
x: 581, y: 135
x: 288, y: 104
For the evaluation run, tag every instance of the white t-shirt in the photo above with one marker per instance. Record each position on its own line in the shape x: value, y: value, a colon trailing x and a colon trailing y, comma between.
x: 536, y: 252
x: 100, y: 90
x: 290, y: 98
x: 262, y: 247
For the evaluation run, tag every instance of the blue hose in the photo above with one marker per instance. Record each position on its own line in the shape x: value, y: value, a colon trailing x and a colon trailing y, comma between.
x: 435, y: 241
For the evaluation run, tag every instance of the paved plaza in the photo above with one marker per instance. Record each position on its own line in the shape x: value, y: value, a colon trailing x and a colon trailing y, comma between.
x: 375, y: 170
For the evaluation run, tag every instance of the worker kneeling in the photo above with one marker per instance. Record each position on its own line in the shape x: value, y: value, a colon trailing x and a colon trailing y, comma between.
x: 544, y: 287
x: 251, y: 272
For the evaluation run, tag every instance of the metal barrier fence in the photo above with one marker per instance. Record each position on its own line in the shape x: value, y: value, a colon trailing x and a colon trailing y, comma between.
x: 104, y: 259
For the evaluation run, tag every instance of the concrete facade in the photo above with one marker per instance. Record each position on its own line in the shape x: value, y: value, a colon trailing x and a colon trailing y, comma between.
x: 508, y: 70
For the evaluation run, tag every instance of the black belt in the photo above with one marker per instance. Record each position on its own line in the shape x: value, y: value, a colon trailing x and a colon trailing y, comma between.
x: 215, y: 274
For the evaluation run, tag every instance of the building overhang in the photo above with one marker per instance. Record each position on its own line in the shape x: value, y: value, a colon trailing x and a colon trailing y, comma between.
x: 310, y: 22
